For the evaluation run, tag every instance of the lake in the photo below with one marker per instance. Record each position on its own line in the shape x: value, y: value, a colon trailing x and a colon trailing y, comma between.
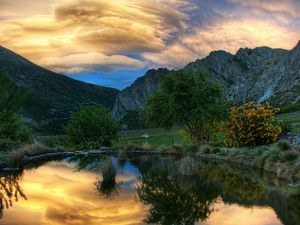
x: 144, y: 190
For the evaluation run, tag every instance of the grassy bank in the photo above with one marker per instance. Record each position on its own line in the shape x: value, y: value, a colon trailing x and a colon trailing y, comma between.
x: 292, y: 118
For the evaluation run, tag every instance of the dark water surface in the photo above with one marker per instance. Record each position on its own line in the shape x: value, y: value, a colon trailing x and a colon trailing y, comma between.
x: 144, y: 190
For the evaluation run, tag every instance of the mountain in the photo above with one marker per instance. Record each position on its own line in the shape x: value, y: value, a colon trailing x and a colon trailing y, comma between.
x: 51, y: 96
x: 257, y: 74
x: 133, y: 97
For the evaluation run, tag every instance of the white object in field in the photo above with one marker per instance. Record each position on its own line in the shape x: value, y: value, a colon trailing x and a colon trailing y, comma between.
x: 145, y: 135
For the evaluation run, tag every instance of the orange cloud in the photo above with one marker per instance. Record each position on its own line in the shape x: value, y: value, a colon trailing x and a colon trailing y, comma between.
x: 168, y: 33
x: 229, y: 35
x: 77, y: 63
x: 106, y: 27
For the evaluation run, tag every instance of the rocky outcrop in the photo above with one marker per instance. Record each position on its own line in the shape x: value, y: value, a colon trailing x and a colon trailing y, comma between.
x: 133, y: 97
x: 258, y: 75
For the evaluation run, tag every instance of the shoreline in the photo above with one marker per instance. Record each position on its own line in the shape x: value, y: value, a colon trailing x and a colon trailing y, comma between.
x: 278, y: 170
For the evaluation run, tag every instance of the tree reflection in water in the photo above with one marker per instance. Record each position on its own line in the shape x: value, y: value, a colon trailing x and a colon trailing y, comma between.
x: 107, y: 187
x: 185, y: 194
x: 172, y: 202
x: 10, y: 189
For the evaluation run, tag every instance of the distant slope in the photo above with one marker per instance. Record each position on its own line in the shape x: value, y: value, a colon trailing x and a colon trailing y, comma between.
x: 258, y: 75
x: 51, y: 96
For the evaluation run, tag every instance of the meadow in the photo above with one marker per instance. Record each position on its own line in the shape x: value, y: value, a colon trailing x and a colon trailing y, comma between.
x: 158, y: 137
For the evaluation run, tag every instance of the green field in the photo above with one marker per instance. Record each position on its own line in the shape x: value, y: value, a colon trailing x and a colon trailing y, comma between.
x: 158, y: 137
x: 293, y: 119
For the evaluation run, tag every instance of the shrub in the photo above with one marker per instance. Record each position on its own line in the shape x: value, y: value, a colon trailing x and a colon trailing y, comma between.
x: 206, y: 150
x: 145, y: 146
x: 91, y: 127
x: 283, y: 145
x: 162, y: 148
x: 14, y: 157
x: 289, y: 156
x: 224, y: 152
x: 216, y: 150
x: 273, y: 155
x: 192, y: 148
x: 285, y: 128
x: 177, y: 149
x: 252, y: 125
x: 12, y: 128
x: 7, y: 144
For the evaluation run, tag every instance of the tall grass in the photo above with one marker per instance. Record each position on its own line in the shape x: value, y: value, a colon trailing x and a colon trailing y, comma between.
x: 15, y: 156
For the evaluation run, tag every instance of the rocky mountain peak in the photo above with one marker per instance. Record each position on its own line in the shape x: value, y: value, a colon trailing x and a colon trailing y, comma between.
x: 257, y: 74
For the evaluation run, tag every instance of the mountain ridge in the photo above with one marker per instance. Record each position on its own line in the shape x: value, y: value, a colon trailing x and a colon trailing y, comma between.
x: 257, y: 74
x: 52, y: 96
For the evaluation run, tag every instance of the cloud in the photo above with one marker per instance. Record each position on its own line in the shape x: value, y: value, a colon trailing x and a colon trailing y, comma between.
x: 78, y: 63
x: 230, y: 29
x: 157, y: 33
x: 287, y: 7
x: 112, y: 29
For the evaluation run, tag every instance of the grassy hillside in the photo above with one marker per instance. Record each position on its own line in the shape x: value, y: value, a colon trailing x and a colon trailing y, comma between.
x: 51, y: 96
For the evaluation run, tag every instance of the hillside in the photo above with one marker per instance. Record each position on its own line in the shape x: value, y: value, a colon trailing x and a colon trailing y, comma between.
x: 52, y: 96
x: 258, y: 75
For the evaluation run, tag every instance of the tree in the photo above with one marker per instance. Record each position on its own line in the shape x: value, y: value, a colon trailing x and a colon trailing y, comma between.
x: 91, y: 127
x: 132, y: 120
x: 252, y: 124
x: 191, y: 102
x: 12, y: 127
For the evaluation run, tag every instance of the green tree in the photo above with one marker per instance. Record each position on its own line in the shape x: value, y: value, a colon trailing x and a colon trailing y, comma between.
x: 132, y: 120
x: 91, y: 127
x: 12, y: 127
x: 191, y: 102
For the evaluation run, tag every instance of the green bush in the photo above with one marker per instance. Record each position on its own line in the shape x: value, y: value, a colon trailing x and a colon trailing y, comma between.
x: 224, y: 152
x: 274, y: 155
x: 283, y: 145
x: 91, y: 127
x: 7, y: 144
x: 12, y: 128
x: 216, y: 150
x: 206, y: 150
x: 285, y: 128
x: 289, y: 156
x: 191, y: 148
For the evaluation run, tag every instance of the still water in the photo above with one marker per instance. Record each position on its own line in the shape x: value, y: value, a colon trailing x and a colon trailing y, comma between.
x: 143, y: 190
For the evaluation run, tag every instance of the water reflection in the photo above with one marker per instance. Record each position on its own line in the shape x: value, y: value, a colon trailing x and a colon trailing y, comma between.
x: 10, y: 189
x: 193, y: 197
x: 93, y: 190
x: 108, y: 186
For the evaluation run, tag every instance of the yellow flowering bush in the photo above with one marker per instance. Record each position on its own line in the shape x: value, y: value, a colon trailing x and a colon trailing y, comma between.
x: 252, y: 124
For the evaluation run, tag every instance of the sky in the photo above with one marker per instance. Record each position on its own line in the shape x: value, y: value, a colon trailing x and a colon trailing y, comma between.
x: 112, y: 42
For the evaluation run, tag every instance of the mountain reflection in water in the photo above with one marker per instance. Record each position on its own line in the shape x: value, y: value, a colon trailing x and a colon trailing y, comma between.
x: 141, y: 190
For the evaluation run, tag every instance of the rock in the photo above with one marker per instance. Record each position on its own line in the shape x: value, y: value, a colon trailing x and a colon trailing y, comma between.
x: 133, y: 97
